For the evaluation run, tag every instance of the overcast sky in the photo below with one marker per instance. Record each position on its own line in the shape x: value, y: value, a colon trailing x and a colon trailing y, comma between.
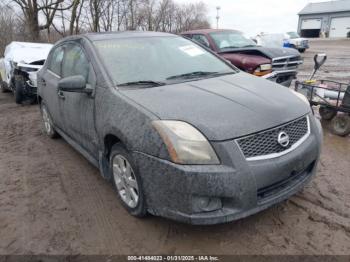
x: 254, y: 16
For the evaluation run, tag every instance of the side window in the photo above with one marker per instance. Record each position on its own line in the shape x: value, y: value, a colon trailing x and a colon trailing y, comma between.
x: 55, y: 63
x: 75, y: 62
x: 201, y: 39
x: 187, y: 36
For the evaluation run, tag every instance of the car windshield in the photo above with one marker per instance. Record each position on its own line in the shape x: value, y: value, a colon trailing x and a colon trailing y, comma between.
x: 157, y: 60
x: 293, y: 35
x: 231, y: 39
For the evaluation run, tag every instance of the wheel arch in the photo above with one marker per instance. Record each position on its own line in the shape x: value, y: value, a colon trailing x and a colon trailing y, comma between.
x: 109, y: 141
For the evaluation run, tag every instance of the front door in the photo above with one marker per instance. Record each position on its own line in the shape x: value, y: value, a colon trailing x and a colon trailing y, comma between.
x: 78, y: 108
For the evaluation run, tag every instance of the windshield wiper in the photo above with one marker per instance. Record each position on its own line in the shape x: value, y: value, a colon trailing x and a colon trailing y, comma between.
x: 249, y: 46
x: 143, y: 83
x: 192, y: 75
x: 230, y: 47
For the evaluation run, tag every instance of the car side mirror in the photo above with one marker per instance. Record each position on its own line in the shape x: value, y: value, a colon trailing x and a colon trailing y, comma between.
x: 319, y: 60
x: 73, y: 84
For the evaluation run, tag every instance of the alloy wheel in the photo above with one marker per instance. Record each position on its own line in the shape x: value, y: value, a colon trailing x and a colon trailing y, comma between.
x: 125, y: 181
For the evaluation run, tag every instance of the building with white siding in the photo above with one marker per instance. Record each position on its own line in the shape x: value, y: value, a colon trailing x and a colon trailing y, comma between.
x: 329, y: 18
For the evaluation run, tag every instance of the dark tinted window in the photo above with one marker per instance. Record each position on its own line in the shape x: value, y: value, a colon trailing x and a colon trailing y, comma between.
x: 187, y: 36
x: 231, y: 39
x: 75, y: 62
x: 201, y: 39
x: 56, y: 60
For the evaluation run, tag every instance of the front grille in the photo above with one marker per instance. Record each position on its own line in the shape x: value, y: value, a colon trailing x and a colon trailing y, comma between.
x: 266, y: 143
x: 304, y: 42
x: 286, y: 63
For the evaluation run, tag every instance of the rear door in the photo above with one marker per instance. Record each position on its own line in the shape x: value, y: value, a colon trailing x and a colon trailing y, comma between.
x: 48, y: 85
x: 79, y: 108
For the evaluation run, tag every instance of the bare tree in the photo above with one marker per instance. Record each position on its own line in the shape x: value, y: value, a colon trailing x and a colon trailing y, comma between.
x: 32, y: 9
x: 11, y: 27
x: 67, y: 17
x: 75, y: 16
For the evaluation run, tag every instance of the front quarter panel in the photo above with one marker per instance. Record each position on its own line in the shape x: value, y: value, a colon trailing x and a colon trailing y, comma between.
x: 131, y: 123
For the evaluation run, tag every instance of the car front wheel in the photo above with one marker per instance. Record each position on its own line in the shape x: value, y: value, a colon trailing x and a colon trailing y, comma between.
x: 19, y: 86
x: 127, y: 182
x: 3, y: 87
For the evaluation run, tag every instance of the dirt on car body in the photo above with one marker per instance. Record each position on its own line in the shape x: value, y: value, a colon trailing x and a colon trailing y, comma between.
x: 52, y: 201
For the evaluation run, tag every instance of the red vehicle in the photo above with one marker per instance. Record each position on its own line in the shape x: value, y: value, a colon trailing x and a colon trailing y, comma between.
x: 276, y: 64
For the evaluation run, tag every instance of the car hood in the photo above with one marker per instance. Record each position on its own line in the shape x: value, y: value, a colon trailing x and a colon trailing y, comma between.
x: 225, y: 107
x: 27, y: 53
x: 246, y: 62
x: 264, y: 51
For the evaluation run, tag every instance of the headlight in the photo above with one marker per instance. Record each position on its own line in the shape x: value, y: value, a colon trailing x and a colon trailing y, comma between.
x: 185, y: 144
x: 265, y: 67
x: 301, y: 96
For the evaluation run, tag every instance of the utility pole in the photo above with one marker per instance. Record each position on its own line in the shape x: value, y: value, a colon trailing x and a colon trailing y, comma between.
x: 217, y: 16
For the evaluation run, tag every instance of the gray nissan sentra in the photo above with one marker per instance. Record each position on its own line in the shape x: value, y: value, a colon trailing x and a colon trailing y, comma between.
x: 179, y: 132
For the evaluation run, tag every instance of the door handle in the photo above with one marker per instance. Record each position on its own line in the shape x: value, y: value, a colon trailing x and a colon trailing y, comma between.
x: 60, y: 94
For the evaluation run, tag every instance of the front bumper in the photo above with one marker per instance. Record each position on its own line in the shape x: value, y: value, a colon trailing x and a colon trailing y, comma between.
x: 243, y: 187
x: 302, y: 46
x: 284, y: 78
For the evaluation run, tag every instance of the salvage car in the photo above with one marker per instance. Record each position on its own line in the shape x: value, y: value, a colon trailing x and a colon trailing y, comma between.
x: 279, y: 65
x: 179, y: 131
x: 19, y: 66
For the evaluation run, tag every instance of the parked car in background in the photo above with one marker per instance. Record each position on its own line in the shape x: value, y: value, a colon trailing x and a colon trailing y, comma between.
x: 19, y: 66
x: 277, y: 64
x: 289, y: 39
x: 293, y: 40
x: 270, y: 40
x: 179, y: 131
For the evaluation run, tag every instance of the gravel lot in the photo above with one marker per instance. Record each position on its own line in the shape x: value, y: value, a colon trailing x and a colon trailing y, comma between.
x: 52, y: 201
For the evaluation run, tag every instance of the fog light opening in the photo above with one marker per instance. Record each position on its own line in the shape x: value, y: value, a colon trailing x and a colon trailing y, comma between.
x: 206, y: 204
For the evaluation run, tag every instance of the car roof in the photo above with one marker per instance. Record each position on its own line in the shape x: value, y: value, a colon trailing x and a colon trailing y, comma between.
x: 115, y: 35
x: 207, y: 31
x: 124, y: 34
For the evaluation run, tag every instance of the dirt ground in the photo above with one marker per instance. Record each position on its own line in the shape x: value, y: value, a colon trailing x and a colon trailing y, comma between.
x: 52, y: 201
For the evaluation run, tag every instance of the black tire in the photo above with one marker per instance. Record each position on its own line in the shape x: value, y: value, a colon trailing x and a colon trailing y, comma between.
x: 341, y: 125
x: 140, y: 210
x: 327, y: 113
x: 47, y: 122
x: 19, y: 86
x: 302, y: 50
x: 3, y: 87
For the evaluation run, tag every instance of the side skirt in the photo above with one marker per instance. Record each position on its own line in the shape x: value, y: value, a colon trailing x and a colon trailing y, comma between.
x: 101, y: 163
x: 79, y: 148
